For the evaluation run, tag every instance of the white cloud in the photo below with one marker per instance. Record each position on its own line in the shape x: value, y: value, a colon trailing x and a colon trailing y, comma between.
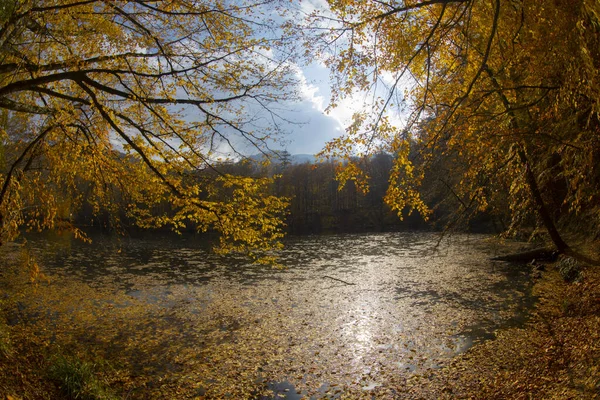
x: 314, y: 94
x: 309, y: 6
x: 308, y: 91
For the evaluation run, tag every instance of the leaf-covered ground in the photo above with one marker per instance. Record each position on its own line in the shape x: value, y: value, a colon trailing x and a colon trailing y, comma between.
x: 147, y: 349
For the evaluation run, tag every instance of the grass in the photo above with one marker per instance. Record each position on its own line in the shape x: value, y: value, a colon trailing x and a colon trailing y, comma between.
x: 77, y: 379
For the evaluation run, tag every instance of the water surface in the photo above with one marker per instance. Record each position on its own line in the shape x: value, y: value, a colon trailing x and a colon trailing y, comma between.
x: 347, y: 313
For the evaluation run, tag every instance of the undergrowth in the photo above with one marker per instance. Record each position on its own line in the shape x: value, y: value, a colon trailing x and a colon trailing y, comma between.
x: 77, y: 379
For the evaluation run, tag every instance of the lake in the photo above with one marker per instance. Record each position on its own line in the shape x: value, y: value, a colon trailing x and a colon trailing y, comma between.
x: 347, y: 314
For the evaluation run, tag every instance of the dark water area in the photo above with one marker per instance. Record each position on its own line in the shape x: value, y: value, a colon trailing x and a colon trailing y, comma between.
x: 345, y: 311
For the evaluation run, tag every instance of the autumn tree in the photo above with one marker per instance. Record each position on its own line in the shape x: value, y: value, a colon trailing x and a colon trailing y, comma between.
x: 132, y: 99
x: 510, y: 89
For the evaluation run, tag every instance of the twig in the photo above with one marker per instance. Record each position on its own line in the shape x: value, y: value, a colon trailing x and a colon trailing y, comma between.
x: 339, y: 280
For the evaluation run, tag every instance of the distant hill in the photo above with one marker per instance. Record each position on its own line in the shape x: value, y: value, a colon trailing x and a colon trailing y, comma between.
x: 294, y: 158
x: 303, y: 158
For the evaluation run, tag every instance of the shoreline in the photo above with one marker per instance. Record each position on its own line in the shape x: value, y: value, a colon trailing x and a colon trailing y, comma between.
x: 555, y: 355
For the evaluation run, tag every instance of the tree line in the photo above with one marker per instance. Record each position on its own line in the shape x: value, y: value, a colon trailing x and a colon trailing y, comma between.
x: 317, y: 202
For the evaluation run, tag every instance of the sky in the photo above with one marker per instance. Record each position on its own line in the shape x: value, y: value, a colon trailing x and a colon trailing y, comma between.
x: 312, y: 127
x: 314, y: 123
x: 316, y: 126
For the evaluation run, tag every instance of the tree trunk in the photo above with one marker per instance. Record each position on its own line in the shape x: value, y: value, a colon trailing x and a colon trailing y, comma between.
x: 560, y: 244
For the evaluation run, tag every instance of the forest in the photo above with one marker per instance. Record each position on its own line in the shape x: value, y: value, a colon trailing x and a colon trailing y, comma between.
x: 461, y: 116
x: 319, y: 204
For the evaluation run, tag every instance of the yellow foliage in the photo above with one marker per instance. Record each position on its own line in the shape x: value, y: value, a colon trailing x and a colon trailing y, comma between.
x: 112, y: 103
x: 492, y: 87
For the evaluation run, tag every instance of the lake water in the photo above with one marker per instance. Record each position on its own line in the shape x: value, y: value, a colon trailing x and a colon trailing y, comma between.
x: 347, y: 313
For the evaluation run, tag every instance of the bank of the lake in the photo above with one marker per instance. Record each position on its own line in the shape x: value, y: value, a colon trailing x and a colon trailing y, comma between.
x: 556, y: 355
x: 141, y: 348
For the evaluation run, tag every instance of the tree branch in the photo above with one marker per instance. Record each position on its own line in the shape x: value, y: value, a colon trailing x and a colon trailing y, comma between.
x: 397, y: 10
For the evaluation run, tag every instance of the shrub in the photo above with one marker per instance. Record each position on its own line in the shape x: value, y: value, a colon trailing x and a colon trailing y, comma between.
x: 77, y: 379
x: 570, y: 269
